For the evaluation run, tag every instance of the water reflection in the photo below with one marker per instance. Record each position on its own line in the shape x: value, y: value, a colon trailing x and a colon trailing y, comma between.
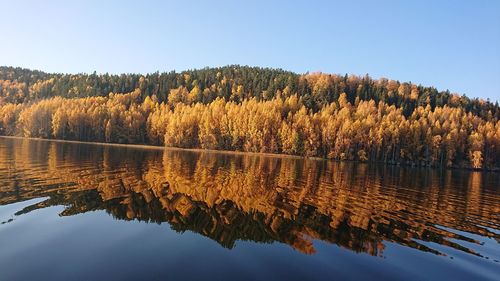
x: 263, y: 199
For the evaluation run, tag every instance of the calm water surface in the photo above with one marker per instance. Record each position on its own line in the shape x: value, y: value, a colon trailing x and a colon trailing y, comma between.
x: 91, y: 212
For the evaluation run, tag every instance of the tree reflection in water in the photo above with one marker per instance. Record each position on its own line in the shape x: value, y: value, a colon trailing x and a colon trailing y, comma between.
x: 231, y: 197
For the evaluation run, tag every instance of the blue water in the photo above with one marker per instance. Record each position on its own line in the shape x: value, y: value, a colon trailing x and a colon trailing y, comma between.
x: 89, y: 212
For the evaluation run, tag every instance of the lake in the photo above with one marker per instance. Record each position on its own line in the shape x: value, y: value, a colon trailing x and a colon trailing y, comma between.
x: 71, y: 211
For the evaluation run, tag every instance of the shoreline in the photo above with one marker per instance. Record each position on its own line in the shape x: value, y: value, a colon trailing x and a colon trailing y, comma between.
x: 155, y: 147
x: 231, y: 152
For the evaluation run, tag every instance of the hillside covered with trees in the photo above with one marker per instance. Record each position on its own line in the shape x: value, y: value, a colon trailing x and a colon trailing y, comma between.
x: 257, y: 110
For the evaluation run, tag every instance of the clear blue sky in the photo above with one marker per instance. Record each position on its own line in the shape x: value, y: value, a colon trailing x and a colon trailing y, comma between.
x: 451, y: 45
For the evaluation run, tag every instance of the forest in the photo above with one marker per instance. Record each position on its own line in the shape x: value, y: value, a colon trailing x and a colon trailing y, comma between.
x: 241, y: 108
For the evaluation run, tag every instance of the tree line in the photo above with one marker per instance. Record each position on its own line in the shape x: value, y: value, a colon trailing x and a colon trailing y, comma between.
x: 362, y: 130
x: 235, y: 83
x: 257, y: 110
